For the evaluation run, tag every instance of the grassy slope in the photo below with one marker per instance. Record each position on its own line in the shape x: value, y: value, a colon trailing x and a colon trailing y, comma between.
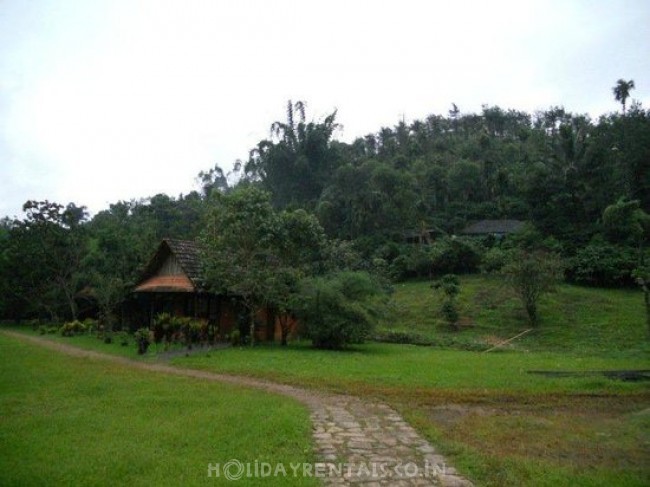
x: 71, y: 421
x: 574, y: 319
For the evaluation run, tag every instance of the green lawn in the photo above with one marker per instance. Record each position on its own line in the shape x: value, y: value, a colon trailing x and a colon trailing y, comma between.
x: 497, y: 423
x: 402, y: 368
x: 72, y: 421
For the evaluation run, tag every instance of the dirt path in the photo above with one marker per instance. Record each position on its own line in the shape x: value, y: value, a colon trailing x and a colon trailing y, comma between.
x: 359, y: 442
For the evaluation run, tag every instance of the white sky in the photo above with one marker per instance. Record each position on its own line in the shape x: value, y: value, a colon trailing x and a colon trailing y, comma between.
x: 103, y: 100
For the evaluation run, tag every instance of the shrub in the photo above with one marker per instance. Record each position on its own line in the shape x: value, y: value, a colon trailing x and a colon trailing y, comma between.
x: 168, y: 328
x: 72, y: 328
x: 91, y: 325
x: 159, y: 322
x: 235, y: 338
x: 34, y: 324
x: 339, y: 309
x: 415, y: 261
x: 142, y: 340
x: 455, y: 256
x: 603, y: 264
x: 495, y: 259
x: 450, y: 285
x: 122, y: 338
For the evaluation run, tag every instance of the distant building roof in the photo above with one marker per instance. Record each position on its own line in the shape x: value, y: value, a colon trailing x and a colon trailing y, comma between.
x: 175, y: 267
x: 494, y: 227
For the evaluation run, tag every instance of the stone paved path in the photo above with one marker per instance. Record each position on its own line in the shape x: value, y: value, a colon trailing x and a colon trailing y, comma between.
x: 357, y: 442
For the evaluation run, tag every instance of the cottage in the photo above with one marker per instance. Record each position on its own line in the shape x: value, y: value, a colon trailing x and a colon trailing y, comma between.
x: 172, y: 283
x: 495, y: 228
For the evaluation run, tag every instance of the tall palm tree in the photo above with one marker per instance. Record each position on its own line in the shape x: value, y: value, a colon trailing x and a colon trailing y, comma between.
x: 622, y: 91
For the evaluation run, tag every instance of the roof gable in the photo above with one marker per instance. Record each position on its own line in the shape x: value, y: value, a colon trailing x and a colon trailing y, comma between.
x: 499, y: 227
x: 175, y: 267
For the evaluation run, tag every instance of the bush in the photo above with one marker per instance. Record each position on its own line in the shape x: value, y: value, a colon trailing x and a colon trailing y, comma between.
x: 91, y: 325
x: 450, y: 285
x: 603, y: 264
x: 235, y: 338
x: 72, y: 328
x: 338, y: 310
x: 34, y: 324
x: 495, y: 259
x: 168, y: 328
x: 122, y: 338
x: 455, y: 256
x: 142, y: 340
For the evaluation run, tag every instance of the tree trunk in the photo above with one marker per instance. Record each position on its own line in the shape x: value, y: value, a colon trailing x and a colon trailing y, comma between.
x: 531, y: 310
x: 646, y: 297
x: 252, y: 326
x: 284, y: 329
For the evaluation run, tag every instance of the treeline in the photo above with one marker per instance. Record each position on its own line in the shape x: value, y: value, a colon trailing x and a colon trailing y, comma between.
x: 556, y: 170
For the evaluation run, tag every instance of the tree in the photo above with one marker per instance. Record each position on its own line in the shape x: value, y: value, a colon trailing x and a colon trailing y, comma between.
x: 532, y: 274
x: 238, y: 248
x: 213, y: 180
x: 622, y: 91
x: 626, y: 221
x: 299, y: 246
x: 256, y: 254
x: 45, y: 253
x: 297, y: 162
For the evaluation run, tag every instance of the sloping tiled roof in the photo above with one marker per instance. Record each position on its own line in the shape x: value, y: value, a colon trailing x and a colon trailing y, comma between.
x: 487, y: 227
x: 187, y: 253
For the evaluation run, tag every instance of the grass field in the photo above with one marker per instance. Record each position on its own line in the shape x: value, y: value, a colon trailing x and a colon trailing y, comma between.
x: 496, y: 422
x: 72, y: 421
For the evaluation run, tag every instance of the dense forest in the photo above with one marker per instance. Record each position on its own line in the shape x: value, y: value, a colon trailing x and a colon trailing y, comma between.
x: 582, y: 186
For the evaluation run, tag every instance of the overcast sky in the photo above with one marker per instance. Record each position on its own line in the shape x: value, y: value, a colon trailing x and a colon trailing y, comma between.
x: 104, y: 100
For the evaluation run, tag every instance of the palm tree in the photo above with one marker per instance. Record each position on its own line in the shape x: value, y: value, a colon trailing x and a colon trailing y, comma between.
x: 622, y: 91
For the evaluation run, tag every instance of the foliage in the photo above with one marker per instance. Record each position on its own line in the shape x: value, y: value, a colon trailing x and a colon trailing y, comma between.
x: 43, y: 259
x: 297, y: 162
x: 142, y: 339
x: 642, y: 277
x: 494, y: 259
x: 44, y: 330
x: 91, y: 325
x: 557, y: 170
x: 455, y: 255
x: 72, y: 328
x: 531, y: 275
x: 339, y: 309
x: 235, y: 338
x: 626, y: 221
x: 257, y: 254
x: 622, y: 91
x: 601, y: 263
x: 450, y: 286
